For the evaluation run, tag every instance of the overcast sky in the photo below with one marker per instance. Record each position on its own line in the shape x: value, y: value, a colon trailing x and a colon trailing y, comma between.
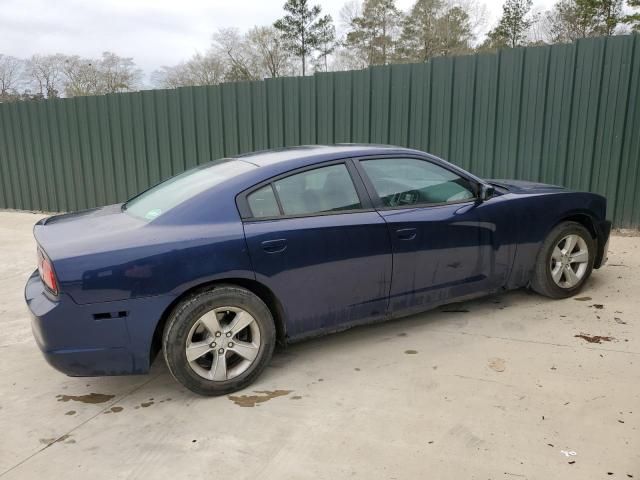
x: 153, y: 32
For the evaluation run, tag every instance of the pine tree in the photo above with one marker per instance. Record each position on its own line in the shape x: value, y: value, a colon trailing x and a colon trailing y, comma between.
x: 302, y: 28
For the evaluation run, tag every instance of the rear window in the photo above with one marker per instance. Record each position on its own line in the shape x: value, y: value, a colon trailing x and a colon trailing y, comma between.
x: 163, y: 197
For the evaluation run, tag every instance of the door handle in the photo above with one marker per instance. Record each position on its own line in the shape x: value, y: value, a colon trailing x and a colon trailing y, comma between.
x: 406, y: 233
x: 274, y: 246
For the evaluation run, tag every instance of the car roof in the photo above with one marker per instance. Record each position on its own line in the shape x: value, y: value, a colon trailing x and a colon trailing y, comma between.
x: 310, y: 154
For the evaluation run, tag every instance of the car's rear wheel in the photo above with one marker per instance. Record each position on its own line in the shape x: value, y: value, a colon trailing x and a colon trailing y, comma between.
x: 219, y: 341
x: 565, y: 261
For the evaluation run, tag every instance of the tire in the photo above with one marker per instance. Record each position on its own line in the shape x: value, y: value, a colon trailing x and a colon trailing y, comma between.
x: 204, y: 346
x: 551, y: 277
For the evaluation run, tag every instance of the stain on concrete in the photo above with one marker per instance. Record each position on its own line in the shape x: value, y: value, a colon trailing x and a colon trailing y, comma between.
x: 598, y: 306
x: 88, y: 398
x: 357, y: 369
x: 70, y: 412
x: 66, y: 438
x: 296, y: 397
x: 594, y: 338
x: 146, y: 404
x: 253, y: 400
x: 455, y: 310
x: 410, y: 352
x: 497, y: 364
x: 116, y: 409
x: 620, y: 321
x: 582, y: 299
x: 403, y: 334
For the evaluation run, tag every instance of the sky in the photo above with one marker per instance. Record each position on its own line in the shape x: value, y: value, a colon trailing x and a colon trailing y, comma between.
x: 153, y: 32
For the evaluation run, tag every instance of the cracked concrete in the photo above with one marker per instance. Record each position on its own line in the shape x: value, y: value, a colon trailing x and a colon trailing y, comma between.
x: 505, y: 390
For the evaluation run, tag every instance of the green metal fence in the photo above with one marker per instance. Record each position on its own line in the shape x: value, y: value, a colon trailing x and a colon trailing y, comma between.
x: 564, y: 114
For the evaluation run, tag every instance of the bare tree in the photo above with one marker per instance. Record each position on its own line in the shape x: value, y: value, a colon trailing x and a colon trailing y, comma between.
x: 273, y: 58
x: 118, y: 74
x: 45, y: 73
x: 242, y: 61
x: 200, y: 69
x: 10, y: 74
x: 82, y: 77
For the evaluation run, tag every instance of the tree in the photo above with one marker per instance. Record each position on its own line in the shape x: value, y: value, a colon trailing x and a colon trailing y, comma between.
x: 82, y: 77
x: 570, y: 20
x: 118, y: 74
x: 433, y: 28
x: 45, y: 73
x: 10, y: 74
x: 633, y: 19
x: 273, y: 58
x: 327, y: 44
x: 514, y: 24
x: 375, y: 31
x: 419, y: 39
x: 208, y: 69
x: 454, y: 32
x: 241, y: 59
x: 301, y: 29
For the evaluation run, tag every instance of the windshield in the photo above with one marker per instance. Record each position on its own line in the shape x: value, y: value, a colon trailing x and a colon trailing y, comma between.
x: 163, y: 197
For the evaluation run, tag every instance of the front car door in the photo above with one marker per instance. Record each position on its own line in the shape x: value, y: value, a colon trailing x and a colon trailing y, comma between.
x: 317, y: 243
x: 446, y: 244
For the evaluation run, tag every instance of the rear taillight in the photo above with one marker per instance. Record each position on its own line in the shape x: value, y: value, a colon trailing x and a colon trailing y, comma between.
x: 46, y: 273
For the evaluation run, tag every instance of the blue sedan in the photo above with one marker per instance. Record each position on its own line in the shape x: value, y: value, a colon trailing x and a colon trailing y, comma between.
x: 215, y: 266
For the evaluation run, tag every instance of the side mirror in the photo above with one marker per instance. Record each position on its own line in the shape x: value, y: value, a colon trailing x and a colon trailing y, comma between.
x: 486, y: 192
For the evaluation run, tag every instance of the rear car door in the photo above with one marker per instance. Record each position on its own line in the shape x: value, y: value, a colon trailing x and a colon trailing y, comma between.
x: 446, y: 244
x: 316, y: 241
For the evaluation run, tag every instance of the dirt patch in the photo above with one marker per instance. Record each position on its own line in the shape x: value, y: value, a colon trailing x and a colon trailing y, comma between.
x: 411, y: 352
x: 71, y: 412
x: 146, y: 404
x: 594, y: 338
x: 89, y: 398
x: 598, y: 306
x: 497, y: 364
x: 582, y: 299
x: 116, y: 409
x: 253, y: 400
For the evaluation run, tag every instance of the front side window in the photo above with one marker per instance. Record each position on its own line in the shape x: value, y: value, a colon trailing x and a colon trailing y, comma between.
x: 325, y: 189
x: 411, y: 181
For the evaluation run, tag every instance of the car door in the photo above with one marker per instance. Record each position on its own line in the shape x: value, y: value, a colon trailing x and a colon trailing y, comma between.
x: 317, y: 243
x: 446, y: 244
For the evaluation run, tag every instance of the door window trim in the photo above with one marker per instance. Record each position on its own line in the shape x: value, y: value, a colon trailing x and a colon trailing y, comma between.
x: 377, y: 201
x: 361, y: 191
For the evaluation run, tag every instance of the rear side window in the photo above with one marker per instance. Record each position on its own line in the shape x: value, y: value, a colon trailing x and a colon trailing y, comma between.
x: 167, y: 195
x: 411, y: 181
x: 263, y: 203
x: 326, y: 189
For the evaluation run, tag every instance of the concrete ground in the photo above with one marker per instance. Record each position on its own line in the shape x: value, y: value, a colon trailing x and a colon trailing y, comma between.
x: 490, y: 389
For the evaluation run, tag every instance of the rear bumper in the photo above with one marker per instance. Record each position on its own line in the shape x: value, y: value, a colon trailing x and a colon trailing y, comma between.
x: 76, y: 342
x: 604, y: 230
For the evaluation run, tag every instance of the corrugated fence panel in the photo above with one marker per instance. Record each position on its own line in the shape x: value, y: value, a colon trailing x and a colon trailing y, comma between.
x: 563, y: 114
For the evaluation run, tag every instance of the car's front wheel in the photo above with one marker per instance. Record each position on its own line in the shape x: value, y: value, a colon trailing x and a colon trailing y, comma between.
x: 219, y: 340
x: 565, y: 261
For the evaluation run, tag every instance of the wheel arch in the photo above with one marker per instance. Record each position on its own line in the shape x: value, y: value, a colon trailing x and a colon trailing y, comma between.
x: 583, y: 218
x: 260, y: 290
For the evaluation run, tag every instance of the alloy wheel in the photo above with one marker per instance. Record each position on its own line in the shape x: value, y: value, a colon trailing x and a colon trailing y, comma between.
x: 223, y: 343
x: 569, y: 261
